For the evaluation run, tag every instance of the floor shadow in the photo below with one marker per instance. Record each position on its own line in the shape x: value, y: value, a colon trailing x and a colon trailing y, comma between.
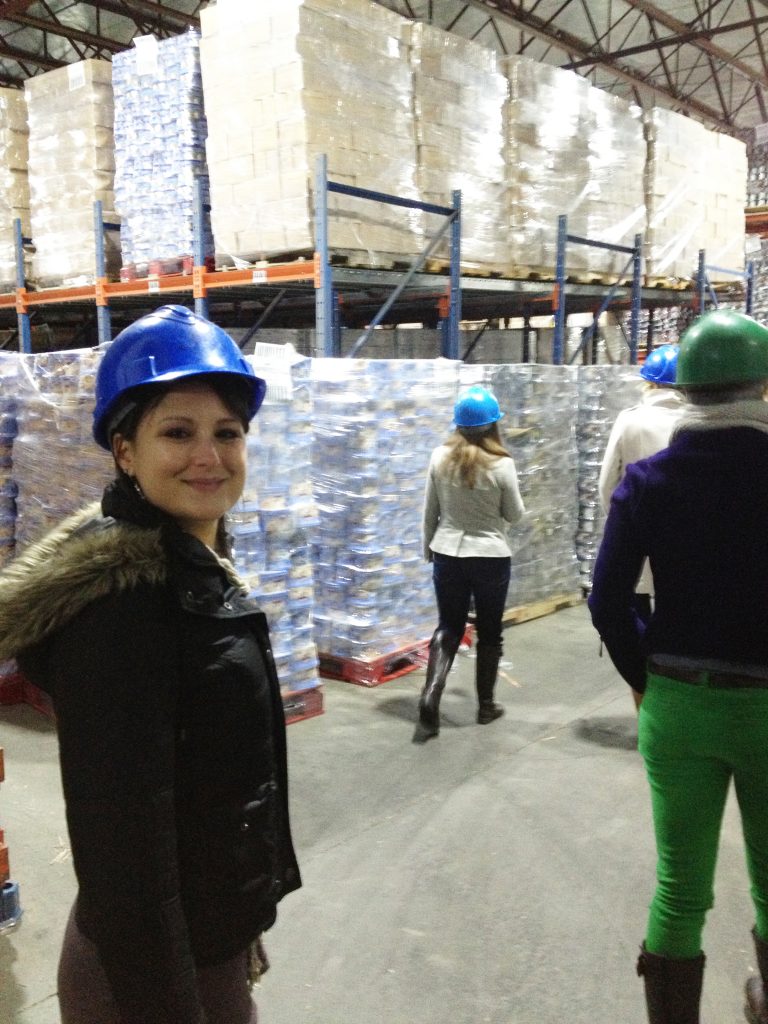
x: 11, y: 993
x: 620, y: 733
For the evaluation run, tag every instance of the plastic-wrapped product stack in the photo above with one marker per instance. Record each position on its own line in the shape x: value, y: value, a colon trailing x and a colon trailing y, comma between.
x: 14, y: 183
x: 669, y: 322
x: 603, y: 392
x: 71, y: 165
x: 693, y: 202
x: 760, y: 293
x: 160, y: 131
x: 538, y: 430
x: 286, y: 80
x: 56, y: 464
x: 9, y: 368
x: 376, y: 423
x: 458, y: 96
x: 569, y: 149
x: 273, y: 523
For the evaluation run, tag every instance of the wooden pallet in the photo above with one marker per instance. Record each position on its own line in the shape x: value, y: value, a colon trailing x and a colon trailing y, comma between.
x: 669, y: 283
x: 377, y: 670
x: 301, y: 704
x: 548, y: 605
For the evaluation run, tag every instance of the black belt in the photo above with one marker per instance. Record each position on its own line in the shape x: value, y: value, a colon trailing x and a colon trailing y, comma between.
x: 704, y: 677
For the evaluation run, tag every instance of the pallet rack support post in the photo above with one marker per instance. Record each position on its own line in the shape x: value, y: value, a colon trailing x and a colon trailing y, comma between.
x: 450, y: 325
x: 198, y: 256
x: 22, y: 310
x: 103, y: 318
x: 558, y: 343
x: 637, y: 282
x: 704, y: 284
x: 749, y: 303
x: 327, y: 337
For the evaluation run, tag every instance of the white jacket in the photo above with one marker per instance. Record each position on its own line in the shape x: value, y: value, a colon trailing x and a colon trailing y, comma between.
x: 470, y: 522
x: 637, y: 433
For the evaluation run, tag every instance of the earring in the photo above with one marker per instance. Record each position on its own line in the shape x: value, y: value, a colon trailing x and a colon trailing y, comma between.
x: 137, y: 487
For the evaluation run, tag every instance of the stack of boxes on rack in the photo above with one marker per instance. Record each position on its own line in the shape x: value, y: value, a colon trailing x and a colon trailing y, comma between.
x: 160, y: 132
x: 10, y: 908
x: 14, y: 183
x: 71, y: 166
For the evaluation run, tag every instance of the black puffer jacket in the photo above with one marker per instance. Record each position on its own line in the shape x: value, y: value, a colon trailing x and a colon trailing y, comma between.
x: 172, y: 745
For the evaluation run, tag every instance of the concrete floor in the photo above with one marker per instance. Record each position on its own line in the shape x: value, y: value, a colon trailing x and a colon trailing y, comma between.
x: 495, y: 874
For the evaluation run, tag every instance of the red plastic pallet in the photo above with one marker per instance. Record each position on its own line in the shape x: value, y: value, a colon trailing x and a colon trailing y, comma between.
x: 302, y: 704
x: 378, y: 670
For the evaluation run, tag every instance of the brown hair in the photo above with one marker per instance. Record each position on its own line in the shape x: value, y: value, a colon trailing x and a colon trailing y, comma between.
x: 473, y: 449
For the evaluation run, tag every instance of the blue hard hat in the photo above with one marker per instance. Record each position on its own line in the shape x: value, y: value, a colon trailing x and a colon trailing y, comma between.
x: 170, y: 343
x: 476, y: 407
x: 660, y: 367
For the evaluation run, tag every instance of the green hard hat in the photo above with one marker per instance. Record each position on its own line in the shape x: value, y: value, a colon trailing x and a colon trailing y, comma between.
x: 720, y: 348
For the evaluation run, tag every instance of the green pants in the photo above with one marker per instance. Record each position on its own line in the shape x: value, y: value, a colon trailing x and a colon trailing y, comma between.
x: 694, y: 740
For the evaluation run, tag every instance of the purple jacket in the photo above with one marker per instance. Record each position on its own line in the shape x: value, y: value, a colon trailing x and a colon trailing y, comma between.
x: 699, y: 511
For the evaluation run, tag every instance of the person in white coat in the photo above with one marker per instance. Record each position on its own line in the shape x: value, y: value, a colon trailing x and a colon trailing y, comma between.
x: 471, y: 498
x: 638, y: 432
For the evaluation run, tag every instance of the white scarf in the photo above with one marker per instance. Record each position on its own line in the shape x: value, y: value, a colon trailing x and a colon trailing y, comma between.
x: 752, y: 412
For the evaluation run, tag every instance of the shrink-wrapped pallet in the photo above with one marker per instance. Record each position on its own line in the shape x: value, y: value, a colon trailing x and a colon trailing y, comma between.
x: 603, y: 391
x: 284, y: 81
x: 71, y: 165
x: 538, y: 430
x: 14, y: 183
x: 458, y: 98
x: 375, y: 425
x: 569, y: 149
x: 274, y: 523
x: 696, y: 192
x: 9, y: 370
x: 160, y: 131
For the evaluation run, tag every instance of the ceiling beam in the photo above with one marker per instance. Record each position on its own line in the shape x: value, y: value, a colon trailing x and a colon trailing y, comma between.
x: 34, y: 59
x: 156, y: 10
x: 58, y: 29
x: 9, y: 7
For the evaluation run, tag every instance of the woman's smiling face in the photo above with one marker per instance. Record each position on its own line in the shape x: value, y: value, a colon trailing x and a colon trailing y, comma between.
x: 189, y: 458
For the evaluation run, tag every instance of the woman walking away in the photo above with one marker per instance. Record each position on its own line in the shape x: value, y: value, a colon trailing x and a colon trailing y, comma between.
x: 698, y: 511
x: 171, y: 729
x: 471, y: 498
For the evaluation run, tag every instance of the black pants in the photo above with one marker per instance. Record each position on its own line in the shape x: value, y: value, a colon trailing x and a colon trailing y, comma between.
x: 85, y: 997
x: 459, y: 580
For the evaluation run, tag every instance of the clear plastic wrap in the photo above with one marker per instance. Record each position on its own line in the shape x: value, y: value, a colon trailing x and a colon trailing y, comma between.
x: 9, y: 370
x: 71, y: 165
x: 696, y: 192
x: 458, y: 96
x: 160, y: 132
x: 603, y: 392
x: 14, y: 183
x: 311, y: 77
x: 569, y: 149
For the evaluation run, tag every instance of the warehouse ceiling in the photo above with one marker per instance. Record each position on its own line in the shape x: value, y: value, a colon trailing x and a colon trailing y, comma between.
x: 705, y: 59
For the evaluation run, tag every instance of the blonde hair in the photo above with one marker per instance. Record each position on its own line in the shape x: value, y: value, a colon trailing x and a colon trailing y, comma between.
x: 472, y: 449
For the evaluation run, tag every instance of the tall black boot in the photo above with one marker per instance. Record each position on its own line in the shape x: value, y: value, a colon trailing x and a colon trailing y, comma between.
x: 486, y: 670
x: 442, y: 651
x: 672, y: 987
x: 756, y: 1009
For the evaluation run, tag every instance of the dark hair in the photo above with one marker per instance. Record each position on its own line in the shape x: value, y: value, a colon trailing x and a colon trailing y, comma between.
x: 135, y: 403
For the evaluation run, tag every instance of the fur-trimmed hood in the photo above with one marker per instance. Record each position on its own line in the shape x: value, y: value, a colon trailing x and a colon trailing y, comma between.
x: 87, y: 557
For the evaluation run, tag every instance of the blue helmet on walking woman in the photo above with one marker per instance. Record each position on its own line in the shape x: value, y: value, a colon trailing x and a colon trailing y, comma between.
x: 476, y: 407
x: 170, y: 343
x: 660, y: 366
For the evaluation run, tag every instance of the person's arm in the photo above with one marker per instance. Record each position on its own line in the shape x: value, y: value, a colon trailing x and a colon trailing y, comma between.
x: 617, y: 567
x: 512, y: 507
x: 612, y: 467
x: 116, y: 679
x: 430, y: 513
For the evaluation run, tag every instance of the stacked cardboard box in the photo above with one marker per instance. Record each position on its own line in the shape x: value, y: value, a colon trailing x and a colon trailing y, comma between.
x: 160, y: 132
x: 286, y: 80
x: 71, y: 165
x: 458, y: 96
x: 14, y: 183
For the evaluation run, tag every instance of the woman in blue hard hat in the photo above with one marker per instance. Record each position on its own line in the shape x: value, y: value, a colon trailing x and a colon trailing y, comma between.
x: 698, y: 511
x: 638, y: 432
x: 471, y: 498
x: 170, y: 721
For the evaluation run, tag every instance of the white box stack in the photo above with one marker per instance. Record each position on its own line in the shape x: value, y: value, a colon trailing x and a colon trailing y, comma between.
x: 71, y: 165
x: 160, y: 132
x: 458, y: 95
x: 14, y: 183
x: 696, y: 192
x: 284, y: 81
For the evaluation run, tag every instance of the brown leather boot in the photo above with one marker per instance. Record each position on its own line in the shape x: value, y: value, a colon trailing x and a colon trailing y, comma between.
x: 442, y: 651
x: 672, y: 987
x: 756, y: 989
